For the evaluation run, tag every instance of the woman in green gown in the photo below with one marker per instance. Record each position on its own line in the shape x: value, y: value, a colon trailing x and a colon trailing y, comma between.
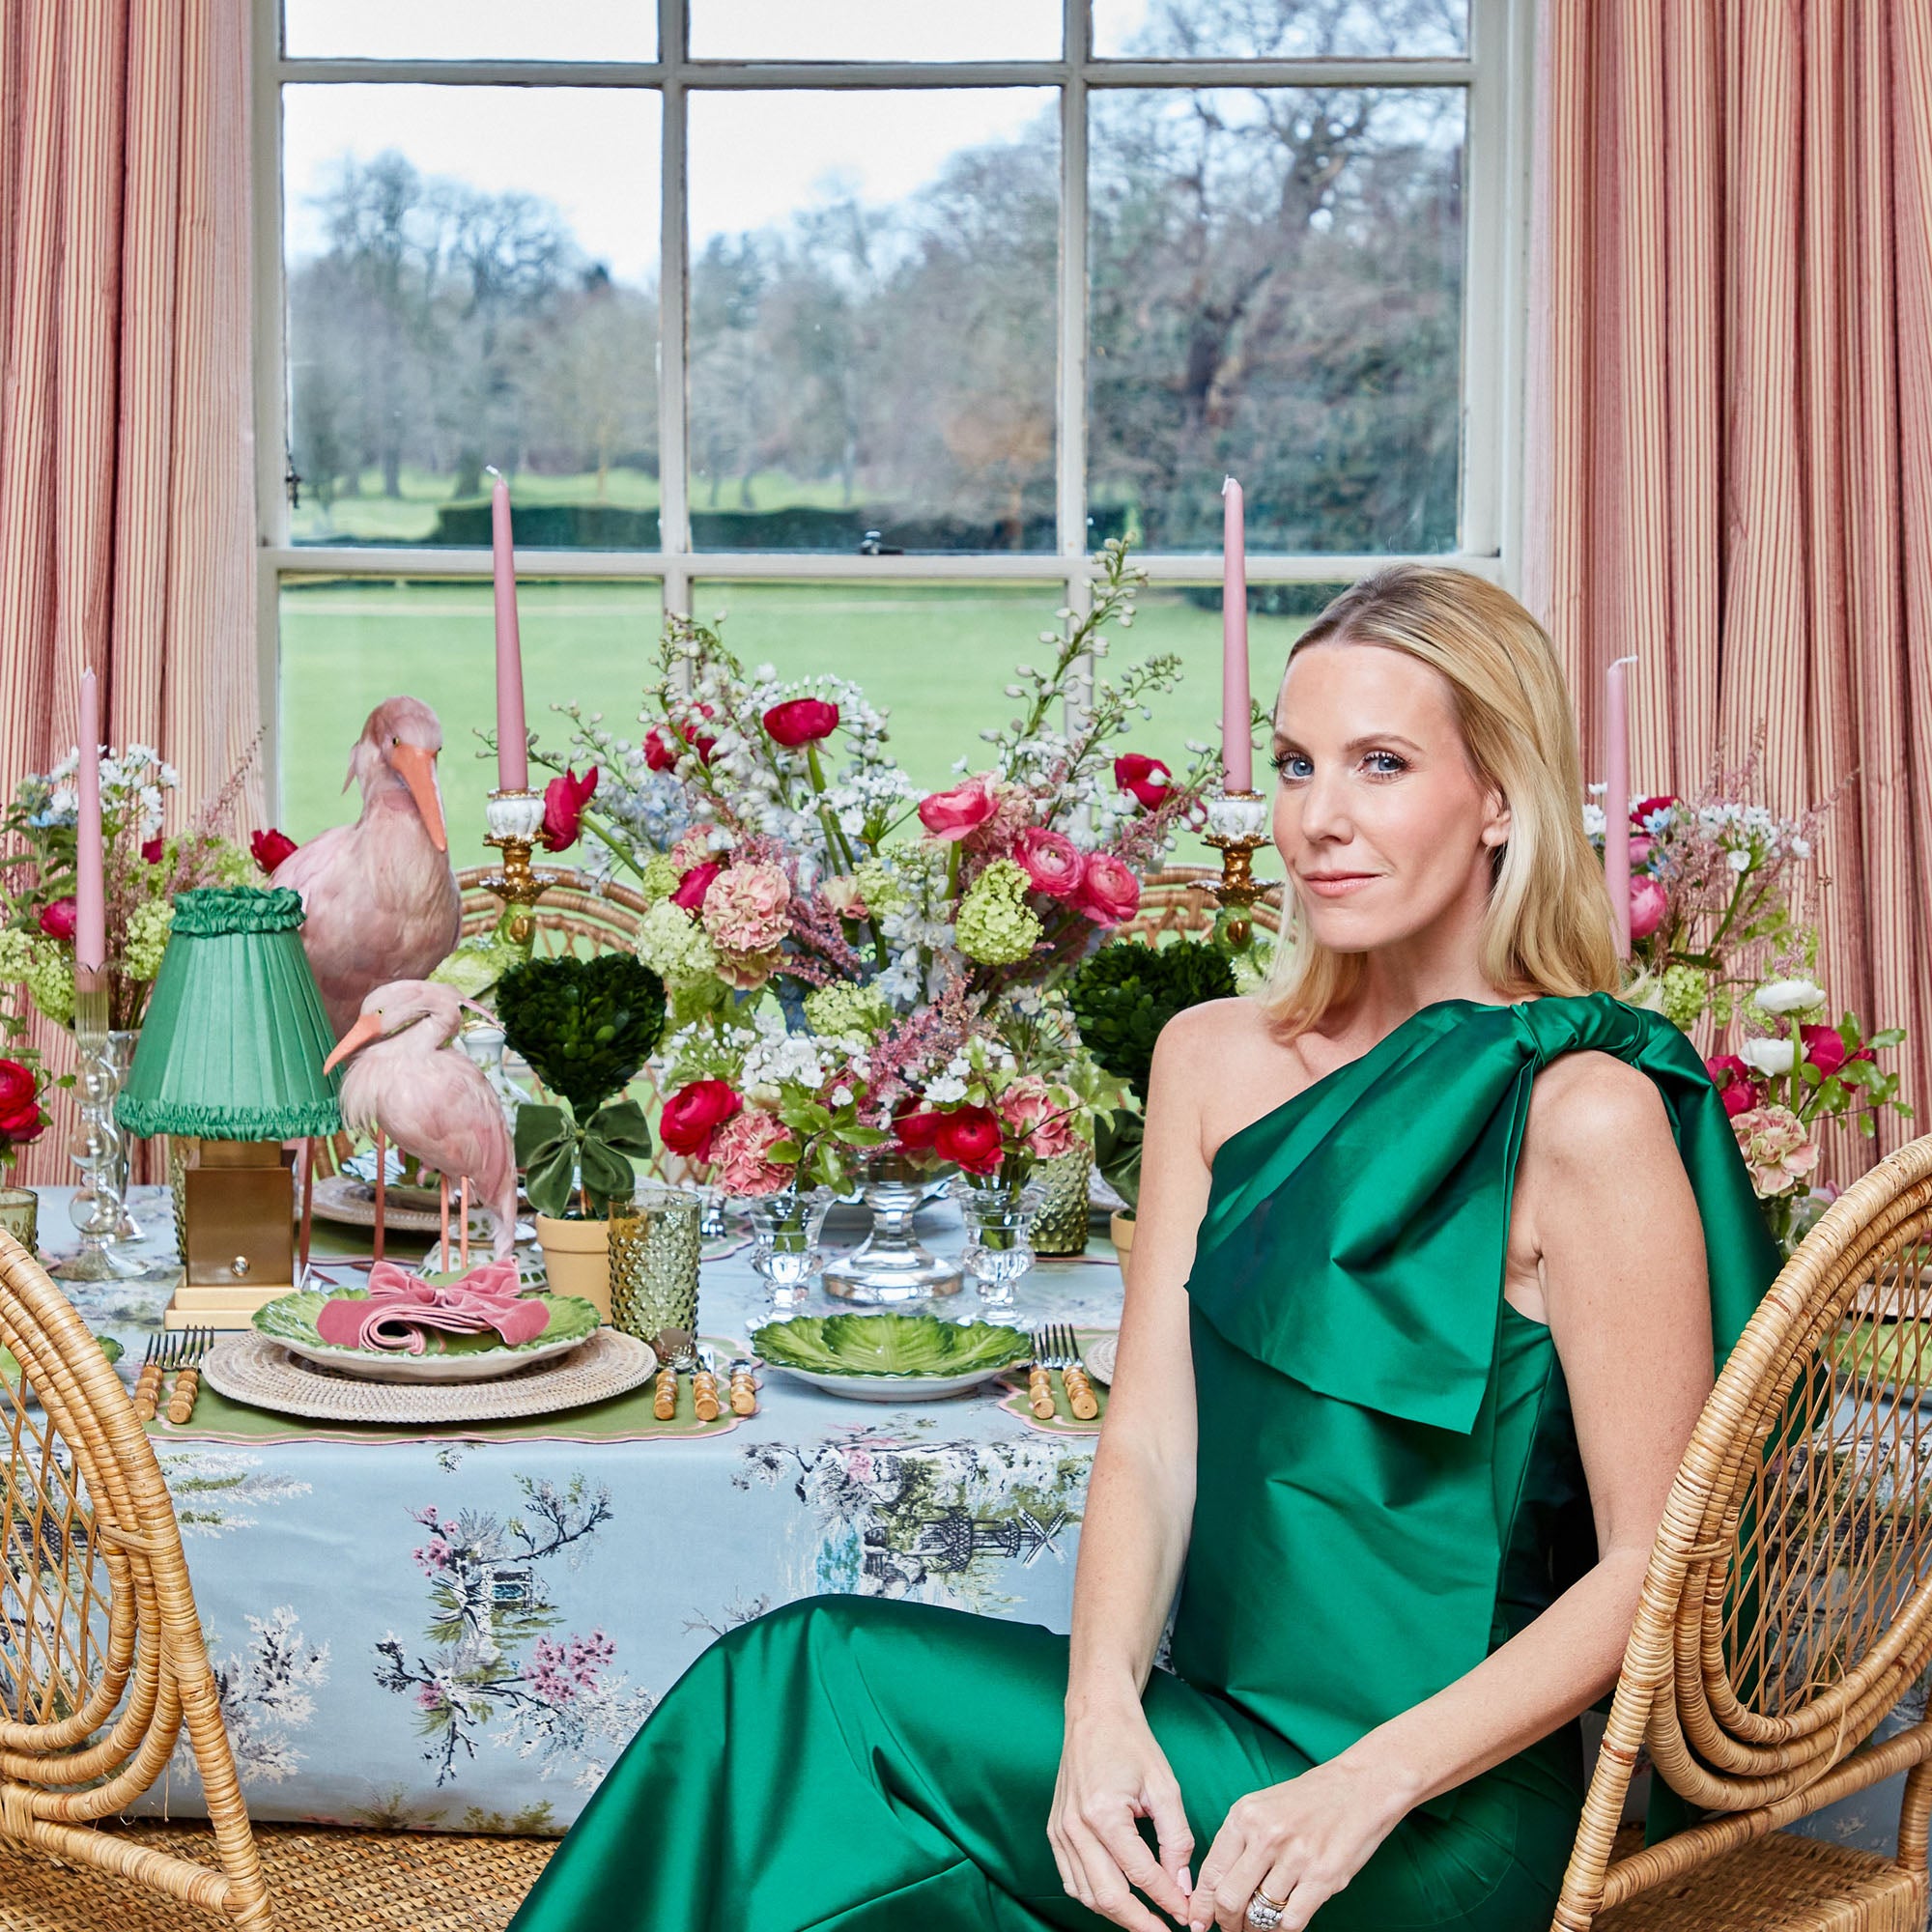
x: 1439, y: 1247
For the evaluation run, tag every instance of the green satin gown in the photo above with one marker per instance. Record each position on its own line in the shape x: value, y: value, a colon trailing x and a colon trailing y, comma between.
x: 1388, y: 1489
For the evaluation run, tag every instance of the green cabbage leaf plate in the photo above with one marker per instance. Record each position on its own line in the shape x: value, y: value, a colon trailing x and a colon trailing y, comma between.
x: 888, y: 1357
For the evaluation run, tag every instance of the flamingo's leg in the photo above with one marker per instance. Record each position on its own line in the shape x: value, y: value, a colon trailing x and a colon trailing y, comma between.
x: 443, y: 1183
x: 308, y: 1206
x: 464, y: 1263
x: 381, y: 1185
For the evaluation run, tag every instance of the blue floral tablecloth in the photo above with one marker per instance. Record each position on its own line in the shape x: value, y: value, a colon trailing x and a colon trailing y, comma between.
x: 465, y: 1634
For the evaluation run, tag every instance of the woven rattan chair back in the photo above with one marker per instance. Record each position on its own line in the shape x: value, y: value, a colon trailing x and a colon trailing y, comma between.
x: 578, y: 914
x: 1177, y: 899
x: 103, y: 1664
x: 1788, y: 1604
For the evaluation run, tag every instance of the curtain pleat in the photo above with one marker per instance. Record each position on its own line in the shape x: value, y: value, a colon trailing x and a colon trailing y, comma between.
x: 1730, y: 405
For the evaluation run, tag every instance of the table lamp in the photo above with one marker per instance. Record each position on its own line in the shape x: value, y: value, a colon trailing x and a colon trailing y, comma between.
x: 231, y: 1052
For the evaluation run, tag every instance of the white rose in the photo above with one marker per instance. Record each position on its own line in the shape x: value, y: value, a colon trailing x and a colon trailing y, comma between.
x: 1771, y: 1056
x: 1788, y: 996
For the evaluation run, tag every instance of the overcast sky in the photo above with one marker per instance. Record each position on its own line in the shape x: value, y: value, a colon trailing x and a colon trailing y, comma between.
x: 594, y: 151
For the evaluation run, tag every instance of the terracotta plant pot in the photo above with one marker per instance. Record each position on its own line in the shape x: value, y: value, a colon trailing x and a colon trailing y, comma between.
x: 1122, y: 1228
x: 576, y: 1258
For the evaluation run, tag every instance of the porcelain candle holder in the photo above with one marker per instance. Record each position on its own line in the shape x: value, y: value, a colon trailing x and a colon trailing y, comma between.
x: 654, y: 1256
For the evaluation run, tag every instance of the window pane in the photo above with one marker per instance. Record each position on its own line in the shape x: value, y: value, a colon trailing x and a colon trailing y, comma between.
x: 473, y: 278
x: 624, y: 30
x: 1276, y: 283
x: 347, y: 645
x: 873, y: 337
x: 1280, y: 29
x: 874, y: 30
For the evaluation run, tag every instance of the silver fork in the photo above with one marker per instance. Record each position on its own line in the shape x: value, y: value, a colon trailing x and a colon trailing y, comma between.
x: 1065, y: 1355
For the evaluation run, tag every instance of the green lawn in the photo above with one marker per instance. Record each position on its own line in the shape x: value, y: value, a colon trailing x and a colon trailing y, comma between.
x: 936, y: 656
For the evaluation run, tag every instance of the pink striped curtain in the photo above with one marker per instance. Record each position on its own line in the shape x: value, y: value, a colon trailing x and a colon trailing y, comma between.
x: 126, y: 444
x: 1731, y: 440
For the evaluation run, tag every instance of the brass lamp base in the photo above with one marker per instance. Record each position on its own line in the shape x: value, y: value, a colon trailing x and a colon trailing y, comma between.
x: 216, y: 1305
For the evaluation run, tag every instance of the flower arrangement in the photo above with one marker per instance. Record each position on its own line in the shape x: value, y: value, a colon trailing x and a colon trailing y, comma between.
x: 143, y: 870
x: 993, y: 1121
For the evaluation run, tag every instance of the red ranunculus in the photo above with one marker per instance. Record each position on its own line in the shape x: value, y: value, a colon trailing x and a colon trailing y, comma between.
x: 970, y: 1138
x: 1826, y: 1050
x: 271, y: 848
x: 1649, y: 903
x: 917, y: 1128
x: 564, y: 800
x: 1109, y: 893
x: 695, y: 883
x: 1644, y: 806
x: 57, y: 920
x: 660, y: 756
x: 1135, y: 772
x: 694, y: 1114
x: 953, y: 815
x: 1736, y: 1088
x: 21, y: 1117
x: 1051, y: 861
x: 801, y: 720
x: 152, y: 849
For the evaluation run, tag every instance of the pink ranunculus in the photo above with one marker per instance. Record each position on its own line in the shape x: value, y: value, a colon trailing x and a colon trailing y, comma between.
x: 271, y: 848
x: 953, y: 815
x: 58, y: 918
x: 1051, y: 861
x: 1777, y: 1148
x: 1109, y: 893
x: 1823, y: 1048
x: 1736, y: 1088
x: 564, y: 800
x: 694, y: 884
x: 738, y: 1152
x: 1639, y: 849
x: 1042, y: 1114
x: 749, y: 909
x: 801, y: 720
x: 1649, y: 903
x: 1135, y: 772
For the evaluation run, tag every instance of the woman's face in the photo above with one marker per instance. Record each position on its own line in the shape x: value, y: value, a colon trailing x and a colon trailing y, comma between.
x: 1380, y: 816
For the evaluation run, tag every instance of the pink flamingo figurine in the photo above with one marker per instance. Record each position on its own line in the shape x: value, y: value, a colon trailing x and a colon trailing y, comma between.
x: 382, y: 901
x: 408, y: 1085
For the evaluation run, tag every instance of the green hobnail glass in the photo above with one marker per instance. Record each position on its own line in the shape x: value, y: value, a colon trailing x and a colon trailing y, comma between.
x: 655, y: 1244
x: 21, y: 1216
x: 1062, y: 1226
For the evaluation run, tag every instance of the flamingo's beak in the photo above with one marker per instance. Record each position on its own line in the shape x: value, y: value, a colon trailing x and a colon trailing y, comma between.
x: 367, y: 1027
x: 418, y: 770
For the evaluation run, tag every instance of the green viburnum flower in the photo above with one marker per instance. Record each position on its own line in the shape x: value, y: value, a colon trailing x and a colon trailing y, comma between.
x: 842, y: 1010
x: 660, y: 877
x: 996, y: 925
x: 233, y: 866
x: 147, y: 928
x: 50, y: 981
x: 880, y: 891
x: 674, y: 947
x: 1686, y: 990
x: 17, y: 953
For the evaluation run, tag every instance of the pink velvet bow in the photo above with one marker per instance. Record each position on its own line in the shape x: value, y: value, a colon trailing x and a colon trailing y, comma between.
x: 402, y: 1306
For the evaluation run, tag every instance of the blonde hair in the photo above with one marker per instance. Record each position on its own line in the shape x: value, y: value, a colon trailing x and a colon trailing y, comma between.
x: 1547, y: 925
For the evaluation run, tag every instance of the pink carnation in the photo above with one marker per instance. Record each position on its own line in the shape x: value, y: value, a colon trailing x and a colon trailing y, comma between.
x: 748, y: 909
x: 1043, y: 1114
x: 1051, y: 861
x: 738, y: 1154
x: 1775, y: 1147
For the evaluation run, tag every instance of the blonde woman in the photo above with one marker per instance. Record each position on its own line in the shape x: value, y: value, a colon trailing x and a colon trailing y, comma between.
x: 1439, y: 1247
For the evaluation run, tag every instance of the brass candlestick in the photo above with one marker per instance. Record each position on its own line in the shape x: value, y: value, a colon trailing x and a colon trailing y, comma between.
x: 1238, y: 828
x: 515, y: 818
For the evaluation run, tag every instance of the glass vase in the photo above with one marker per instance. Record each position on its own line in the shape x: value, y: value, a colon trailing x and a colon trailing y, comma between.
x: 1000, y: 1217
x: 785, y: 1231
x: 1062, y: 1226
x: 654, y: 1254
x: 891, y: 1265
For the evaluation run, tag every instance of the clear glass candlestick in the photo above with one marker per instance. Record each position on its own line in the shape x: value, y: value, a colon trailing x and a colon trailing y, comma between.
x: 97, y: 1145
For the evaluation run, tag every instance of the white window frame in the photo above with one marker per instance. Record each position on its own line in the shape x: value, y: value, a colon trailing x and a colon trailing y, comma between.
x: 1496, y: 72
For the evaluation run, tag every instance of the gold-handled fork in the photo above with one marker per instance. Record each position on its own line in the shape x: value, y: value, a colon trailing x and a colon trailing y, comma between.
x: 187, y: 1380
x: 1065, y: 1358
x: 148, y: 1384
x: 1039, y: 1379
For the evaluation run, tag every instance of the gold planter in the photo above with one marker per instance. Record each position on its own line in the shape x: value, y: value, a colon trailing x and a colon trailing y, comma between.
x: 1062, y: 1226
x: 577, y: 1260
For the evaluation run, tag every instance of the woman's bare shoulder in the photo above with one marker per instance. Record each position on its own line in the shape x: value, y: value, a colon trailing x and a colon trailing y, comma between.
x: 1198, y: 1036
x: 1593, y: 1107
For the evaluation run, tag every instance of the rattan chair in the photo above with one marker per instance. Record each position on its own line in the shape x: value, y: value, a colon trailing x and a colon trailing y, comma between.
x: 1177, y: 899
x: 597, y: 915
x: 1788, y: 1604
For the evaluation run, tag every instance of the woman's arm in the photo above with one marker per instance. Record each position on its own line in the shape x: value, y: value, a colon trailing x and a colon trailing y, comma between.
x: 1603, y: 1201
x: 1134, y: 1534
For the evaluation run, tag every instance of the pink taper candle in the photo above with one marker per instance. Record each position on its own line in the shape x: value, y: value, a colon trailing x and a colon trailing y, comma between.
x: 513, y: 760
x: 1238, y: 761
x: 90, y: 922
x: 1617, y: 805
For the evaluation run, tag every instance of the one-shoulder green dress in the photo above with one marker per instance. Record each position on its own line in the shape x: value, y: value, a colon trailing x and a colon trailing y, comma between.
x: 1388, y: 1489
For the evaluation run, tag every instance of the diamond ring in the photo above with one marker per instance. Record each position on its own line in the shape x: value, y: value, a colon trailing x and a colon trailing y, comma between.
x: 1264, y: 1914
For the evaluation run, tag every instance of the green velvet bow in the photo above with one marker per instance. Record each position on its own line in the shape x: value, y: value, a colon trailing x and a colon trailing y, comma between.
x: 559, y: 1157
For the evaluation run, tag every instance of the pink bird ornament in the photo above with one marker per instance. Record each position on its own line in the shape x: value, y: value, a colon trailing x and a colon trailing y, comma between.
x: 407, y: 1084
x: 382, y: 902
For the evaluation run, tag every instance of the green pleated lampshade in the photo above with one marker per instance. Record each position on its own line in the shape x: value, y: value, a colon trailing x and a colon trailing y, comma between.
x: 235, y: 1036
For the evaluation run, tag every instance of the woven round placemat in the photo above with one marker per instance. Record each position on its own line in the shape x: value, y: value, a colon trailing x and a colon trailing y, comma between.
x: 253, y: 1368
x: 352, y: 1203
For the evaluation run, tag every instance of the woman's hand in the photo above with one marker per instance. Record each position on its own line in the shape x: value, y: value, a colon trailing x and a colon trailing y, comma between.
x: 1112, y: 1773
x: 1298, y: 1842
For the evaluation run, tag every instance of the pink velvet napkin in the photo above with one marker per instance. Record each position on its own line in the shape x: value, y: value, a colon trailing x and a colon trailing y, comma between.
x: 402, y: 1307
